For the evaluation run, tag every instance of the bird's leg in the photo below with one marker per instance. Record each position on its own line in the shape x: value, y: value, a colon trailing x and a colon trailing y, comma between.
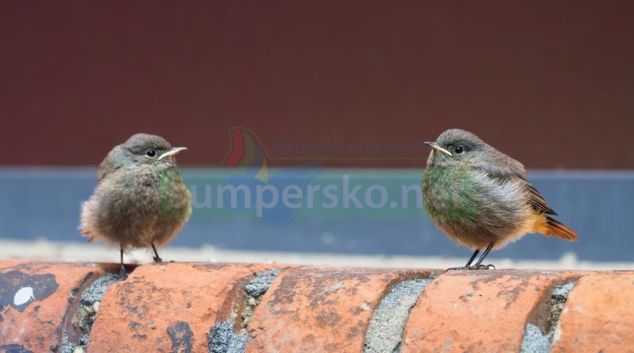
x: 156, y: 258
x: 475, y: 253
x: 467, y: 266
x: 478, y: 265
x: 122, y: 271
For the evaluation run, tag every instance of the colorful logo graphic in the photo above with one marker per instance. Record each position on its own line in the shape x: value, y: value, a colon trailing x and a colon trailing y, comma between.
x: 248, y: 153
x: 246, y: 188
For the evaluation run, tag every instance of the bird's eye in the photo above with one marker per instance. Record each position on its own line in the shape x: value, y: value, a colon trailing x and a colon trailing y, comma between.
x: 150, y: 153
x: 459, y: 149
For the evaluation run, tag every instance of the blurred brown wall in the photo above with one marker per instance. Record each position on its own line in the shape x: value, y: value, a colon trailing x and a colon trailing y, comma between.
x: 549, y: 82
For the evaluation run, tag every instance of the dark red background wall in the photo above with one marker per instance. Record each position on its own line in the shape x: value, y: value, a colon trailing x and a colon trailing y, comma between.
x: 549, y: 82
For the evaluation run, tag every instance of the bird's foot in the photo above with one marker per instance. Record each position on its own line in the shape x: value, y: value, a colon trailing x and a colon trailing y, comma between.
x: 157, y: 259
x: 471, y: 268
x: 122, y: 272
x: 482, y: 267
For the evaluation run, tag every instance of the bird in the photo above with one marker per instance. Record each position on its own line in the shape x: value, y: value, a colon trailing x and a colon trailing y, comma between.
x: 480, y: 197
x: 140, y: 200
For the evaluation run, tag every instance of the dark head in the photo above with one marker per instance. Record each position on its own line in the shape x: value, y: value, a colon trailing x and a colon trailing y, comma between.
x: 458, y: 148
x: 150, y: 149
x: 142, y: 149
x: 139, y: 150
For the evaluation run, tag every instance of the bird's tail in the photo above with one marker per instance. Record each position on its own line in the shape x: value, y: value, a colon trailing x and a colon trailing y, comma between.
x: 555, y: 228
x: 86, y: 233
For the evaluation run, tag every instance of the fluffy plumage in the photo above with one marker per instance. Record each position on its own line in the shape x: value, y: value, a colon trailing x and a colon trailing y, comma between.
x: 140, y: 199
x: 480, y: 197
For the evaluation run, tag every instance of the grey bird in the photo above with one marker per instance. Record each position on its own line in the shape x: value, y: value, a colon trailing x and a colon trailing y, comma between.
x: 140, y: 200
x: 481, y: 198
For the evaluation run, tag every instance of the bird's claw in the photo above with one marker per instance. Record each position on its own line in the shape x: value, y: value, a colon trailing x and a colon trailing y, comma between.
x: 122, y: 272
x: 482, y: 267
x: 157, y: 259
x: 471, y: 268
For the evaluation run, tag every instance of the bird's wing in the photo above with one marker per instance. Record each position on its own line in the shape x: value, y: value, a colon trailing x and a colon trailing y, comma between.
x: 513, y: 171
x: 110, y: 164
x: 509, y: 170
x: 536, y: 199
x: 550, y: 226
x: 105, y: 169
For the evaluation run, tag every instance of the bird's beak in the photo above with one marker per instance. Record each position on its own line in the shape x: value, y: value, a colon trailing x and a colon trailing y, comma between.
x: 172, y: 152
x: 437, y: 147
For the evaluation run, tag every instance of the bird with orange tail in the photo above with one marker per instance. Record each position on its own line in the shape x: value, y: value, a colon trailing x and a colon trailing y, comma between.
x: 481, y: 198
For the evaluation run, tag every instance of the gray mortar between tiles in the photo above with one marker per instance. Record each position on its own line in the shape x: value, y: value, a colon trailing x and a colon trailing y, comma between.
x: 387, y: 324
x: 534, y: 341
x: 222, y: 338
x: 84, y: 318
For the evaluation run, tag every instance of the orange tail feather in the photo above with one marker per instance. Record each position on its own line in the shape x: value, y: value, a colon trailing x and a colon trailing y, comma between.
x: 555, y: 228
